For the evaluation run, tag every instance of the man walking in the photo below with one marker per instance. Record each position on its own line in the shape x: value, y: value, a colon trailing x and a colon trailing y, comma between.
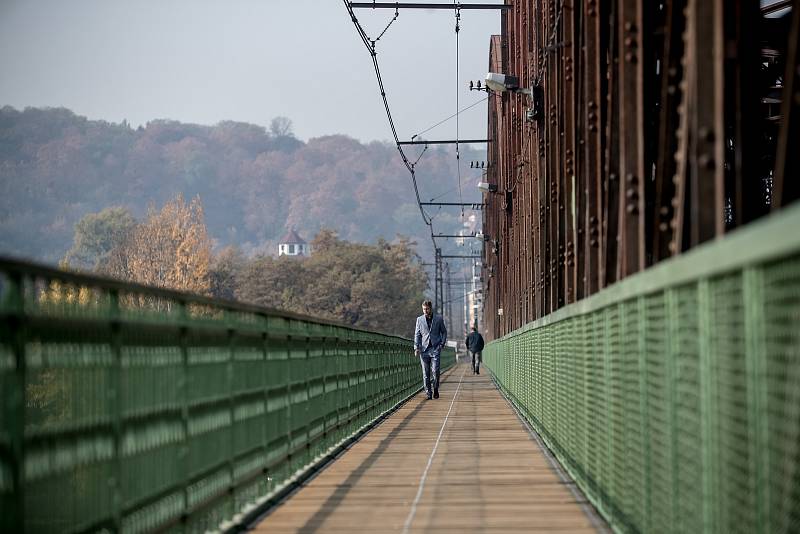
x: 430, y: 336
x: 474, y: 344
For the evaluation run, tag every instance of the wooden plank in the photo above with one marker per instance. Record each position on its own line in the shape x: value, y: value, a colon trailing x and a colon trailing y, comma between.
x: 488, y: 474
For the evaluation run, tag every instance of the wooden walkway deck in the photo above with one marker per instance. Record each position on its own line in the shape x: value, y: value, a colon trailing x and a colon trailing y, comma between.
x: 462, y: 463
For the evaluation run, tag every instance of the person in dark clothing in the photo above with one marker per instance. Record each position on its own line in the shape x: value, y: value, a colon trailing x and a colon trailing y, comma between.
x: 474, y: 344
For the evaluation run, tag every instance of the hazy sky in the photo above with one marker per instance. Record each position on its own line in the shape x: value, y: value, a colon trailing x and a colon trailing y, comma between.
x: 204, y: 61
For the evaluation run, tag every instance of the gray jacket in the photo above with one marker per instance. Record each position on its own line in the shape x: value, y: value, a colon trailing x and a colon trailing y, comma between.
x: 436, y: 337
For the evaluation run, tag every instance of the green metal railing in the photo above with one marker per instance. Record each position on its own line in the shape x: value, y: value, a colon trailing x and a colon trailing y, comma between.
x: 673, y: 397
x: 129, y: 409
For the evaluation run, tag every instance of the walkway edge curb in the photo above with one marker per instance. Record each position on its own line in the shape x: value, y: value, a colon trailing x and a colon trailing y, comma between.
x: 594, y: 515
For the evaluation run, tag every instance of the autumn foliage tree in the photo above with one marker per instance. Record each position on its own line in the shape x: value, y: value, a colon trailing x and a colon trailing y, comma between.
x: 170, y: 248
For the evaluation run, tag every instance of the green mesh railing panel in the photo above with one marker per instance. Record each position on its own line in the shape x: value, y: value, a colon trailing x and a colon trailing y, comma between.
x: 131, y: 409
x: 673, y: 397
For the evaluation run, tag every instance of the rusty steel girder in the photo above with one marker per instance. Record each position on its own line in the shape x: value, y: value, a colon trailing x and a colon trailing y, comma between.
x: 647, y: 129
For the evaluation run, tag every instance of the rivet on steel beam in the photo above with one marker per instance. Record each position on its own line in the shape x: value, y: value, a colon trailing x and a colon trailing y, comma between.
x: 706, y: 161
x: 706, y: 134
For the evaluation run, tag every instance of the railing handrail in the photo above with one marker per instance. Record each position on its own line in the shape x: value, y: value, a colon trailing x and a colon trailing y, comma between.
x: 25, y: 267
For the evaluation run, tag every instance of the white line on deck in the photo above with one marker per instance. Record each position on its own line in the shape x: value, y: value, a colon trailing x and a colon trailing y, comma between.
x: 413, y: 511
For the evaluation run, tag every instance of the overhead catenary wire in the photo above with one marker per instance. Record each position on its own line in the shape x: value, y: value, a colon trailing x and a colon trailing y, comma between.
x: 458, y: 151
x: 370, y: 45
x: 410, y: 166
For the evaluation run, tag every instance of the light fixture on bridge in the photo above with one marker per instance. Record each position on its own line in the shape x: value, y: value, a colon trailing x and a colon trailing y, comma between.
x: 501, y: 83
x: 486, y: 186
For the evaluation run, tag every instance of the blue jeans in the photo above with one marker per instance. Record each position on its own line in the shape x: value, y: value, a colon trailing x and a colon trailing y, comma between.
x: 430, y: 370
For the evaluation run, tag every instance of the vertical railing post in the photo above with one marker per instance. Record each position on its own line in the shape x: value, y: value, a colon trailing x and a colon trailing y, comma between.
x: 289, y: 408
x: 183, y: 394
x: 671, y: 309
x: 230, y: 375
x: 641, y: 344
x: 708, y: 409
x: 756, y: 373
x: 13, y: 517
x: 265, y: 425
x: 116, y: 400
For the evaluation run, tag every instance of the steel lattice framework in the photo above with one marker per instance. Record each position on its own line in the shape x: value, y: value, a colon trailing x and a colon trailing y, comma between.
x: 652, y: 127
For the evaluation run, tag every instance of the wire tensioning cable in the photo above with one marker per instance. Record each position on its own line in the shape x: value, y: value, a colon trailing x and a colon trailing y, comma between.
x: 420, y: 156
x: 396, y: 14
x: 450, y: 117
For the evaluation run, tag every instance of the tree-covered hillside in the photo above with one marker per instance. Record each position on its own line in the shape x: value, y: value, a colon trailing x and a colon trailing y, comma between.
x: 55, y: 167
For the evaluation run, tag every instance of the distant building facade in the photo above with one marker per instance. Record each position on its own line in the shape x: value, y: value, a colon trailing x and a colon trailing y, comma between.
x: 293, y: 245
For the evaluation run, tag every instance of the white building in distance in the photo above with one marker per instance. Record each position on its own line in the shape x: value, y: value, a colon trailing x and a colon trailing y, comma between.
x: 293, y: 245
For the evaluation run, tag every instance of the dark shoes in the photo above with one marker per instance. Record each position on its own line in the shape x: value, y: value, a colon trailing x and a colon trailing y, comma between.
x: 435, y: 393
x: 428, y: 397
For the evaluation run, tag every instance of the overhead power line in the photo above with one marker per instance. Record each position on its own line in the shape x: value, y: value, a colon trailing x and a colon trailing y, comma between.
x: 370, y: 45
x: 446, y: 142
x: 409, y: 5
x: 473, y: 205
